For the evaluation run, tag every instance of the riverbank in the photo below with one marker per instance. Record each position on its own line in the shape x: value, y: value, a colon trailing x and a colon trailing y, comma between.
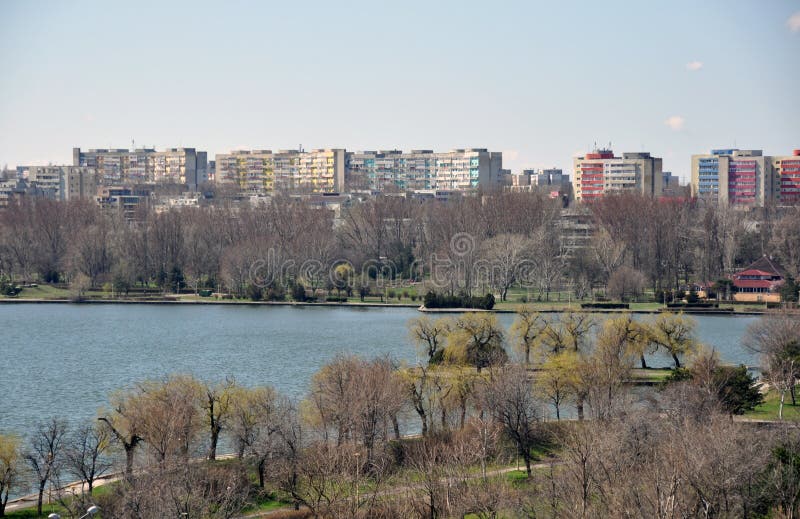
x: 503, y: 308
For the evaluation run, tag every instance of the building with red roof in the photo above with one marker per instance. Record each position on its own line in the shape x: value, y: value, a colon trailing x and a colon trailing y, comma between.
x: 760, y: 281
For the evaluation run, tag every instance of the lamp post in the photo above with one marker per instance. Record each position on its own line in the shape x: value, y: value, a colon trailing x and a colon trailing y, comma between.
x: 92, y: 510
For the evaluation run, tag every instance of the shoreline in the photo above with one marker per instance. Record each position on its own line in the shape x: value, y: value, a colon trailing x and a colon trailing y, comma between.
x: 8, y: 300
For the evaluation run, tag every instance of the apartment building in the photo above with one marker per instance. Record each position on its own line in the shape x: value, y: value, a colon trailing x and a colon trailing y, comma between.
x: 786, y: 175
x: 264, y: 171
x: 456, y: 170
x: 601, y: 172
x: 733, y: 176
x: 337, y: 170
x: 145, y: 165
x: 64, y: 182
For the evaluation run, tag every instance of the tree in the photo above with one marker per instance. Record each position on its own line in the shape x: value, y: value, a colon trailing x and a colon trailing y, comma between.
x: 508, y: 259
x: 776, y: 338
x: 124, y: 426
x: 476, y: 339
x: 789, y: 290
x: 569, y: 332
x: 169, y: 415
x: 625, y: 282
x: 246, y: 415
x: 10, y: 466
x: 217, y: 408
x: 45, y: 452
x: 737, y: 389
x: 510, y: 398
x: 430, y: 336
x: 86, y: 453
x: 526, y: 329
x: 675, y: 334
x: 557, y: 379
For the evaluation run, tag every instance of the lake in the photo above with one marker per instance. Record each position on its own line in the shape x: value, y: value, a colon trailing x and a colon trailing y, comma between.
x: 64, y: 359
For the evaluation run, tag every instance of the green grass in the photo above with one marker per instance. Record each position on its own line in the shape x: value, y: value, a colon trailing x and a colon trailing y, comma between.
x: 769, y: 409
x: 267, y: 502
x: 650, y: 375
x: 43, y: 292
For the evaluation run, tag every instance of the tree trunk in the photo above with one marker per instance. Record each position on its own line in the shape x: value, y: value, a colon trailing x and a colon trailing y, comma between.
x: 644, y: 362
x: 396, y: 426
x: 579, y: 405
x: 526, y: 455
x: 41, y: 495
x: 677, y: 361
x: 793, y: 394
x: 128, y: 462
x: 780, y: 405
x: 212, y: 450
x: 261, y: 467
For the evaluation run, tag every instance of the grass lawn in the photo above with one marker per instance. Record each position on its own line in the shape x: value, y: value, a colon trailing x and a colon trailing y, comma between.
x: 43, y: 292
x: 769, y: 409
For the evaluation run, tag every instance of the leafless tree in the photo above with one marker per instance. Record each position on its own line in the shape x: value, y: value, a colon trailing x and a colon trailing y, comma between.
x: 87, y: 453
x: 510, y: 398
x: 44, y: 454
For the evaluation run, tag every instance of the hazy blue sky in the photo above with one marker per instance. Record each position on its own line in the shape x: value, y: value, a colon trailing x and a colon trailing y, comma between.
x: 537, y: 80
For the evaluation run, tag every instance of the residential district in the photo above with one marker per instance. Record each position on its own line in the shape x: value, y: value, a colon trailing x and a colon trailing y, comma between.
x: 127, y: 178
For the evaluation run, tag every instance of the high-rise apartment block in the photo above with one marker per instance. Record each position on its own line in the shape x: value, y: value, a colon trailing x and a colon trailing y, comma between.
x: 787, y: 178
x: 185, y: 166
x: 600, y: 172
x: 746, y: 178
x: 264, y: 171
x: 64, y: 182
x: 336, y: 170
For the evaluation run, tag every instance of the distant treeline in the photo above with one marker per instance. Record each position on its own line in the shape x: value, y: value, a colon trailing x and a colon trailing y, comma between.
x: 620, y: 244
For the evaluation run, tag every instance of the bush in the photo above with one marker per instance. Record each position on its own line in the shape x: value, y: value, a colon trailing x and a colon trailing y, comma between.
x: 254, y: 292
x: 275, y: 293
x: 434, y: 300
x: 299, y: 293
x: 334, y: 299
x: 623, y: 306
x: 205, y: 293
x: 9, y: 289
x: 692, y: 305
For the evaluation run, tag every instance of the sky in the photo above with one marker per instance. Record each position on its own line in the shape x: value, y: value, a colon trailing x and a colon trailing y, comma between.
x: 539, y: 81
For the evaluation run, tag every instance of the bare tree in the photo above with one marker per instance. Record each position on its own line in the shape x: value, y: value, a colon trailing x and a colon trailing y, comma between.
x: 217, y: 408
x: 429, y: 335
x: 87, y: 453
x: 44, y: 454
x: 527, y: 329
x: 510, y: 398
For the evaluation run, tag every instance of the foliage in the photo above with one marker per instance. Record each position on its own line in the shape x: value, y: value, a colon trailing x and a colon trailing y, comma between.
x: 435, y: 300
x: 737, y: 390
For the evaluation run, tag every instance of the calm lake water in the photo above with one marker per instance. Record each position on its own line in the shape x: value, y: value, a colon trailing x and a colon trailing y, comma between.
x: 62, y: 359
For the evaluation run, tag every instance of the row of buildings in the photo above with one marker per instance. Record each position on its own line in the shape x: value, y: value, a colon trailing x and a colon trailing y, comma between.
x: 730, y: 176
x: 746, y: 178
x: 339, y: 170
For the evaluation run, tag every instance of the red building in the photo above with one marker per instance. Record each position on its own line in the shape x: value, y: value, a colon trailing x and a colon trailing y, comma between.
x: 787, y: 170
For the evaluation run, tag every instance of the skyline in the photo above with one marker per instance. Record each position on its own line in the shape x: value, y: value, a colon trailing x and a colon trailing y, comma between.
x: 538, y: 82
